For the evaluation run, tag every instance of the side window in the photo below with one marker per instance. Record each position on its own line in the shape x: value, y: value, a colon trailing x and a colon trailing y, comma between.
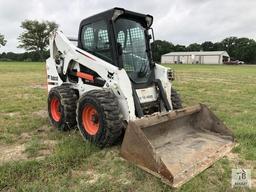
x: 103, y: 42
x: 88, y: 38
x: 95, y: 39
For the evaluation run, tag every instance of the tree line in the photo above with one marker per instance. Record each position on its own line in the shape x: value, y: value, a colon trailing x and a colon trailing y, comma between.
x: 243, y: 49
x: 35, y: 40
x: 26, y: 56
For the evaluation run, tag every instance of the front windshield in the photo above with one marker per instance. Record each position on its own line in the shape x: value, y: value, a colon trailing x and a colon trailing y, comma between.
x: 131, y: 36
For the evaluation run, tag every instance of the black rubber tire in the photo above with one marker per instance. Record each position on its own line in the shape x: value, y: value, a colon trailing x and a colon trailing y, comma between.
x: 109, y: 117
x: 176, y: 100
x: 68, y: 99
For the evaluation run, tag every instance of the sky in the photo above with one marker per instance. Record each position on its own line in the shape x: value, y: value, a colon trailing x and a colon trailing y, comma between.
x: 177, y: 21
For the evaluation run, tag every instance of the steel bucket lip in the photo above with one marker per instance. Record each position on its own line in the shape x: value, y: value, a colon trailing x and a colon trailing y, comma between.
x: 161, y: 117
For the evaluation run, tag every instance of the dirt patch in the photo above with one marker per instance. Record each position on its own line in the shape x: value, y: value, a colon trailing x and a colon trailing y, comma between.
x: 27, y: 136
x: 253, y: 183
x: 24, y: 137
x: 237, y: 161
x: 93, y: 176
x: 46, y: 149
x: 11, y: 114
x: 42, y: 113
x: 12, y: 153
x: 50, y: 143
x: 89, y: 176
x: 233, y: 157
x: 49, y: 147
x: 24, y: 96
x: 18, y: 152
x: 43, y: 129
x: 43, y: 132
x: 113, y: 153
x: 77, y: 173
x: 43, y: 153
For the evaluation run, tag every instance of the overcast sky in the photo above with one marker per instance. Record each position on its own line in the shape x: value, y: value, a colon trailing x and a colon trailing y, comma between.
x: 178, y: 21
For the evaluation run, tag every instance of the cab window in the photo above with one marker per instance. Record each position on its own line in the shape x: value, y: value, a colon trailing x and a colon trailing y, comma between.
x: 95, y: 39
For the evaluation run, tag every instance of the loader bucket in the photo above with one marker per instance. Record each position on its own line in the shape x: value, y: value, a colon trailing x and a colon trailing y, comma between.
x: 177, y: 145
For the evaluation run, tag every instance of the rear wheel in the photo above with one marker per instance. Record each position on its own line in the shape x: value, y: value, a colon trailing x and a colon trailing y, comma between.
x: 98, y: 117
x: 176, y: 100
x: 62, y: 107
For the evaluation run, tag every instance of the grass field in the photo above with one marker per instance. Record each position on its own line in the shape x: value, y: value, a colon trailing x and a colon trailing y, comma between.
x: 36, y: 157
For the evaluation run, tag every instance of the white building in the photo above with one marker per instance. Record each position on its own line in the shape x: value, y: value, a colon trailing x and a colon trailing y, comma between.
x: 200, y: 57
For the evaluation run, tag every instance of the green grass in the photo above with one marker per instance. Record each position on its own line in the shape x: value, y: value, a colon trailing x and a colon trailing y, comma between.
x: 76, y: 165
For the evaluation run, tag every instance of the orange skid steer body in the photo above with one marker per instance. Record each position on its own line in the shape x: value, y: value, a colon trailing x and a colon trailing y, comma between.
x: 177, y: 145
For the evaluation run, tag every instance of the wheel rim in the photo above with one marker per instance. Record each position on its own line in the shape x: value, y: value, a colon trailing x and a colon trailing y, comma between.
x: 55, y: 109
x: 90, y: 119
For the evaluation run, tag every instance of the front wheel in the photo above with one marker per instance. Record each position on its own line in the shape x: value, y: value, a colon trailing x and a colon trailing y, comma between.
x: 99, y: 118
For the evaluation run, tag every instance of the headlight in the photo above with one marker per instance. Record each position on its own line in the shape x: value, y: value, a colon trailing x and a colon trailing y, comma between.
x: 171, y: 74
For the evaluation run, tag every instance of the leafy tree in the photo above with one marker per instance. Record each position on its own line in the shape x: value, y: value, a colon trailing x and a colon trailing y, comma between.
x: 179, y: 48
x: 160, y: 48
x: 218, y: 47
x: 207, y: 46
x: 244, y: 49
x: 229, y: 45
x: 2, y: 40
x: 35, y: 36
x: 194, y: 47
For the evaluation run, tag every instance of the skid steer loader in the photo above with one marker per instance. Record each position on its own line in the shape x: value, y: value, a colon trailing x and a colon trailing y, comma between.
x: 109, y: 87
